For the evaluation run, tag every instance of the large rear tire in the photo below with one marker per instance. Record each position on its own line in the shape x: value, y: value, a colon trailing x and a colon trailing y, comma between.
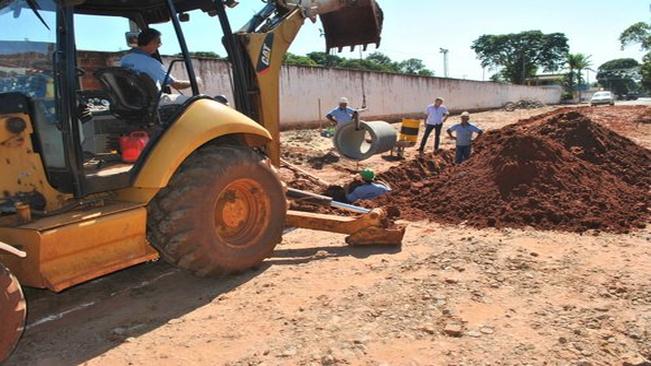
x: 13, y: 310
x: 223, y: 212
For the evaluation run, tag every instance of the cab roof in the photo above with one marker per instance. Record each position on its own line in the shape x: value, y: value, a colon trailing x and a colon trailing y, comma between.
x: 151, y: 11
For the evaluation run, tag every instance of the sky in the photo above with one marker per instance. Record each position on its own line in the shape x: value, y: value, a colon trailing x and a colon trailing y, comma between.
x: 417, y: 29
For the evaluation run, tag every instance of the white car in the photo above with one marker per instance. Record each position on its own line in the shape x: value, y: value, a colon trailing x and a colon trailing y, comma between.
x: 602, y: 97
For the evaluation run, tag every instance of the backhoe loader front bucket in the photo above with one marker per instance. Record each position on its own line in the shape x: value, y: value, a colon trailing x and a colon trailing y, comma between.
x: 373, y: 228
x: 360, y: 23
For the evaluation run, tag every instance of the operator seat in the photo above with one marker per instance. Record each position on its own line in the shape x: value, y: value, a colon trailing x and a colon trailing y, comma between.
x: 134, y: 95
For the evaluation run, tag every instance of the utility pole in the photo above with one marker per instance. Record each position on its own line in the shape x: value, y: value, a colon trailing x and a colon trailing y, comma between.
x: 444, y: 51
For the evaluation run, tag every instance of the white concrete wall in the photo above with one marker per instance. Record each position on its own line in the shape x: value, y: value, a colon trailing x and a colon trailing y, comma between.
x: 389, y: 96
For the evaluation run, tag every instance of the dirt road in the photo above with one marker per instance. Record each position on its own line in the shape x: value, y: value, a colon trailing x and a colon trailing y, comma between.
x: 452, y: 295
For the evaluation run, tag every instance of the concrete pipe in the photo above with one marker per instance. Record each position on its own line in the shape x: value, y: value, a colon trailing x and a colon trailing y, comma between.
x: 373, y: 138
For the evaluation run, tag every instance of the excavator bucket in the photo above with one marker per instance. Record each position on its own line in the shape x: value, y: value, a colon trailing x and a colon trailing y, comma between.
x: 373, y: 228
x: 359, y: 23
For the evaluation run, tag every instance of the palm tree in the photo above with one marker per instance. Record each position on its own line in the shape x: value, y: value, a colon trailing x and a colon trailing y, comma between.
x: 576, y: 63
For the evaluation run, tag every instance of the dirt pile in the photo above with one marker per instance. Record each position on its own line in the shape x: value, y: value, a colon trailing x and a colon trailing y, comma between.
x: 600, y: 146
x: 558, y: 171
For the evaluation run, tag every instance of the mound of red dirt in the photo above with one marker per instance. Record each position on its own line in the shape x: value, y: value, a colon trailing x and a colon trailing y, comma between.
x: 559, y: 171
x: 598, y: 145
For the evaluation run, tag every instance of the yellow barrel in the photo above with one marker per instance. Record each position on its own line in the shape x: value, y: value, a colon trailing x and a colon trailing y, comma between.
x: 409, y: 130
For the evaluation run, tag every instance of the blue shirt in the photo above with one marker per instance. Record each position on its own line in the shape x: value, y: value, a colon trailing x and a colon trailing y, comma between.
x: 464, y: 133
x: 367, y: 191
x: 342, y: 116
x: 435, y: 114
x: 140, y: 61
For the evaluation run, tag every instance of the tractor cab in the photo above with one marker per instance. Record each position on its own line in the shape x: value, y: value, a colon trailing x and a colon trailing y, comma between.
x: 92, y: 120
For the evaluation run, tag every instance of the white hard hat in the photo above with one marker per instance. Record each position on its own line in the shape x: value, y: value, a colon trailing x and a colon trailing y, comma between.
x: 465, y: 114
x: 343, y: 100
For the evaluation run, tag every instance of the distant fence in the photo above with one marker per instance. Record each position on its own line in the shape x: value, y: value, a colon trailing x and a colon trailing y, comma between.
x: 308, y: 93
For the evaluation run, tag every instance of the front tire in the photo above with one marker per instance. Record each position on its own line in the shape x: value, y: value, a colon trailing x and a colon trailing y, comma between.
x: 223, y: 212
x: 13, y: 310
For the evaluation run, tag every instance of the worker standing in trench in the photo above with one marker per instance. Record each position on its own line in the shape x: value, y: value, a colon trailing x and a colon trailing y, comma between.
x: 437, y: 114
x: 464, y: 132
x: 343, y: 114
x: 368, y: 189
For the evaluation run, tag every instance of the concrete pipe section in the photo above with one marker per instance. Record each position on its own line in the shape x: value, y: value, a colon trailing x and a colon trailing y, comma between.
x: 373, y: 138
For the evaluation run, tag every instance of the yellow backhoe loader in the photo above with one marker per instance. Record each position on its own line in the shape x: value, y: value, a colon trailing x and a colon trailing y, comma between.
x: 202, y: 194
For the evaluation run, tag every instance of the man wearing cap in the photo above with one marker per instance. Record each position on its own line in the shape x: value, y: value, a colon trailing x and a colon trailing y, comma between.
x: 464, y: 131
x: 437, y: 114
x: 369, y: 189
x: 142, y: 59
x: 343, y: 114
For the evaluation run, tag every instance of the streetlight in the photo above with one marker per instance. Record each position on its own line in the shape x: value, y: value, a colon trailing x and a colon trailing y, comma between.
x: 444, y: 51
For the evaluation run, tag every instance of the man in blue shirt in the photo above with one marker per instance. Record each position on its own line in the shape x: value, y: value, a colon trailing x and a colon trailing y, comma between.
x: 343, y: 114
x: 437, y: 114
x: 464, y: 131
x: 140, y: 59
x: 367, y: 190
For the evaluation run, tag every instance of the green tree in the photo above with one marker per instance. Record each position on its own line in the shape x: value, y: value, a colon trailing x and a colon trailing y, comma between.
x: 374, y: 62
x: 576, y: 63
x: 520, y: 55
x: 324, y: 59
x: 497, y: 78
x: 413, y: 66
x: 645, y: 72
x: 383, y: 62
x: 205, y: 54
x: 292, y: 59
x: 354, y: 64
x: 619, y: 75
x: 640, y: 33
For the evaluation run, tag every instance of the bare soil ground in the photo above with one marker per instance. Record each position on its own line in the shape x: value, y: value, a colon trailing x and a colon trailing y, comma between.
x: 452, y: 295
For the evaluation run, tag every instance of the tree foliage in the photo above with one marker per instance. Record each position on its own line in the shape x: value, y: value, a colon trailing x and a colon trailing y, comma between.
x: 638, y: 33
x: 203, y: 54
x: 412, y: 66
x: 520, y: 55
x: 374, y: 62
x: 619, y: 75
x: 292, y: 59
x: 325, y: 59
x: 576, y: 63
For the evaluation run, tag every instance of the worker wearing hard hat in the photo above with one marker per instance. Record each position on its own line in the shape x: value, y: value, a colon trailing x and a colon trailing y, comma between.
x: 464, y: 132
x: 343, y: 114
x: 368, y: 189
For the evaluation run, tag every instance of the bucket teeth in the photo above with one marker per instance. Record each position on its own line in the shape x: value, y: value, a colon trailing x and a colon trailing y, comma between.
x: 377, y: 236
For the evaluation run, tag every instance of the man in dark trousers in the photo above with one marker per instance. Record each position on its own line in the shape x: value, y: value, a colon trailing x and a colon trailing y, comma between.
x: 464, y: 132
x: 437, y: 114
